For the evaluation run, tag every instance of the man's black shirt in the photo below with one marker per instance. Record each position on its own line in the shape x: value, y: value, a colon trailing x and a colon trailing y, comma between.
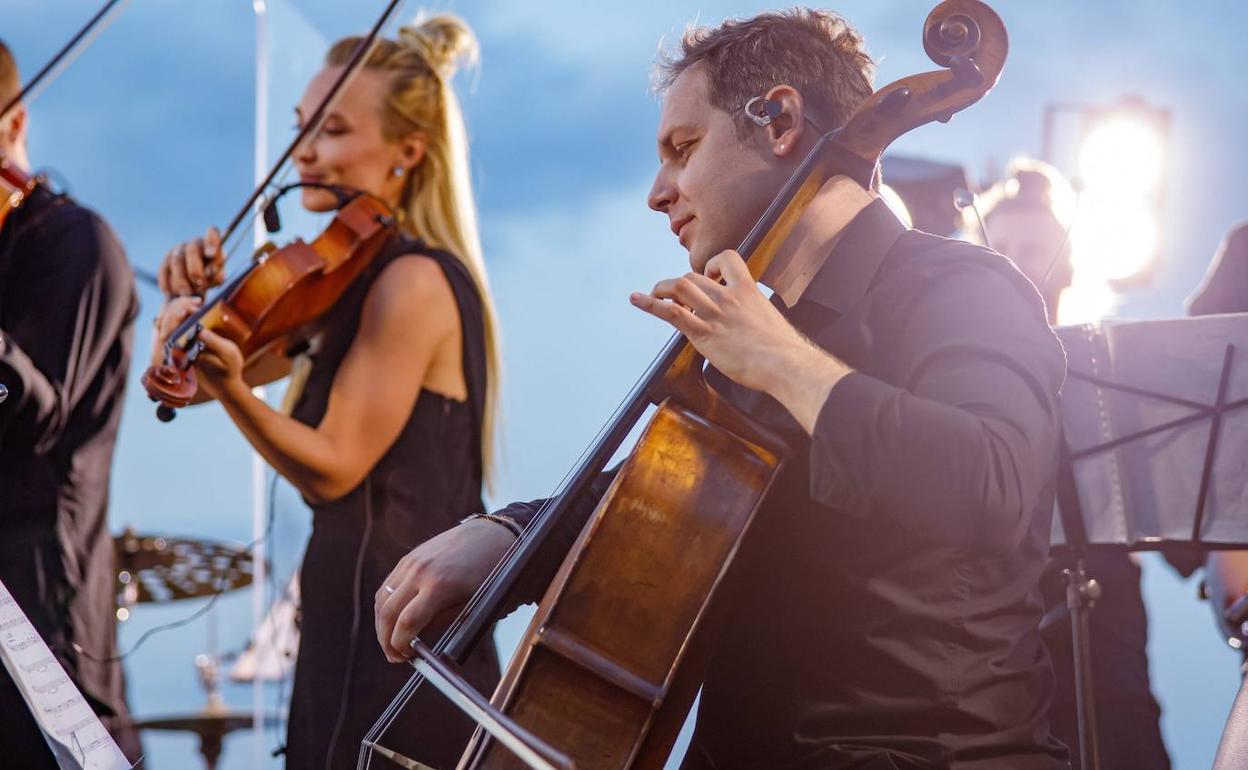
x: 67, y: 306
x: 888, y: 603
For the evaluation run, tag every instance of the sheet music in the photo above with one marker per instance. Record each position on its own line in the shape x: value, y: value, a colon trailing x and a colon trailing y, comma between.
x: 74, y: 733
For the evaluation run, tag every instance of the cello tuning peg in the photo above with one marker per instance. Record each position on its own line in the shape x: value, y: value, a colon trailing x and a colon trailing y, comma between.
x: 895, y: 101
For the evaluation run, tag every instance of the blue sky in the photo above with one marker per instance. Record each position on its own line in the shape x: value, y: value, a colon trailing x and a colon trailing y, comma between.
x: 153, y: 128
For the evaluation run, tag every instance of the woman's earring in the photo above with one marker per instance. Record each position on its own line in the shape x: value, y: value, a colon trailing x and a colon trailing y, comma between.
x: 398, y: 170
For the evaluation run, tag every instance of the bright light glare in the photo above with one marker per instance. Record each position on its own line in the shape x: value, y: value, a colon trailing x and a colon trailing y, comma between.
x: 895, y: 203
x: 1113, y: 238
x: 1122, y: 154
x: 1087, y: 300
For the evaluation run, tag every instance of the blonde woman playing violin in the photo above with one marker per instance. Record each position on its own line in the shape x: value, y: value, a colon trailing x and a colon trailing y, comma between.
x: 389, y: 434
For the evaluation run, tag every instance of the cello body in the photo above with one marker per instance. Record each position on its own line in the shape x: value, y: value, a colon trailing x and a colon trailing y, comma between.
x: 613, y: 656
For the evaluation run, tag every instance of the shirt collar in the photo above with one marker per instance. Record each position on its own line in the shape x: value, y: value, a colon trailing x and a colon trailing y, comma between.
x: 845, y: 276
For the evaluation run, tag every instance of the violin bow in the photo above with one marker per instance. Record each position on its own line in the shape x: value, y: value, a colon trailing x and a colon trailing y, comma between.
x: 75, y: 46
x: 358, y: 57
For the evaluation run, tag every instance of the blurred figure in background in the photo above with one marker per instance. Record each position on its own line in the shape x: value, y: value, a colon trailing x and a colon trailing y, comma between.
x: 1026, y: 218
x: 1225, y: 290
x: 67, y: 307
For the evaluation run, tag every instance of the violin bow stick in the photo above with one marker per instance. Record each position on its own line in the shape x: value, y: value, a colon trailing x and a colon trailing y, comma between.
x: 70, y: 51
x: 358, y: 57
x: 356, y: 63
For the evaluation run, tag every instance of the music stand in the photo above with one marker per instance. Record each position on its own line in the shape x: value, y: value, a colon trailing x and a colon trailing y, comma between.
x: 1155, y: 429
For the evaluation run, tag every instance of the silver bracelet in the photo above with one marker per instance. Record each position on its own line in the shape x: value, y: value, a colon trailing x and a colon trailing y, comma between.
x: 512, y: 526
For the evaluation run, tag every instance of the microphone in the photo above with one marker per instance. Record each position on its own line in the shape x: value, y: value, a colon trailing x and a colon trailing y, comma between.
x: 273, y: 220
x: 964, y: 199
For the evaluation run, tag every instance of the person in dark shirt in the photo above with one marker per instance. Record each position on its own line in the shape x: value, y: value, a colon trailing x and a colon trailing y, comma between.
x: 67, y: 306
x: 1024, y: 225
x: 1225, y: 290
x: 888, y: 608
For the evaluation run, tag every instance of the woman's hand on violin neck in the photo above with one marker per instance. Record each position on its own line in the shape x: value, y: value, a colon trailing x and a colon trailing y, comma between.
x: 220, y: 367
x: 192, y: 267
x: 173, y: 313
x: 440, y: 574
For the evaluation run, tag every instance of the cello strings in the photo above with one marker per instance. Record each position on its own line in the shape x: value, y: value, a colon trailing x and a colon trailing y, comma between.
x: 386, y: 720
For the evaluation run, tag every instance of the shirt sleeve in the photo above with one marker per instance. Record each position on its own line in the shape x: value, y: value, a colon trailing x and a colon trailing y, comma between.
x: 1225, y: 288
x: 65, y: 306
x: 552, y: 553
x: 965, y: 442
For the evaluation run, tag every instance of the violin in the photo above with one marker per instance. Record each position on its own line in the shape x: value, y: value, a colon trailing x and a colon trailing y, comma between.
x: 610, y: 664
x: 274, y: 303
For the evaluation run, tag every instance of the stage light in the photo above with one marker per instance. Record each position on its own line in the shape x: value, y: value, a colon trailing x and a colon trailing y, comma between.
x: 1123, y: 152
x: 1086, y: 300
x: 1114, y: 237
x: 895, y: 203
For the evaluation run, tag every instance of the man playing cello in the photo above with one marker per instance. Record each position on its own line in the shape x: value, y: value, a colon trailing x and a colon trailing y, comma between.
x: 888, y: 611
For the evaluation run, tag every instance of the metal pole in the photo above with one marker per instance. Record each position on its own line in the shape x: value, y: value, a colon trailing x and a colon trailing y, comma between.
x: 1081, y: 593
x: 258, y: 466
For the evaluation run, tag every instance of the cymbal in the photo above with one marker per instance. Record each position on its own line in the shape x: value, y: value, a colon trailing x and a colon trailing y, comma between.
x: 156, y: 568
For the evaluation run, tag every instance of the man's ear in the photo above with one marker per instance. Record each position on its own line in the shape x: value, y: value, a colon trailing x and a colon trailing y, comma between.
x: 14, y: 126
x: 788, y: 124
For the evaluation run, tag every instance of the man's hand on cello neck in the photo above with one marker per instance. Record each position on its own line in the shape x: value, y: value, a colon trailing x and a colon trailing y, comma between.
x: 743, y: 335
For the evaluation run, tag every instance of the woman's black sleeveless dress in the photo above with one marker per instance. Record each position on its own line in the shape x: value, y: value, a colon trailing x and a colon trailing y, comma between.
x: 427, y: 481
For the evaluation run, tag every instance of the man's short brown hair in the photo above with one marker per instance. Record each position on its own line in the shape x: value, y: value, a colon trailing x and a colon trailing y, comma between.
x: 815, y: 51
x: 10, y: 80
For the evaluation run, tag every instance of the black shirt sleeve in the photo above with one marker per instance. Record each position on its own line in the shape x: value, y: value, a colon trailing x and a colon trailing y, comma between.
x: 544, y: 566
x: 966, y: 441
x: 68, y: 295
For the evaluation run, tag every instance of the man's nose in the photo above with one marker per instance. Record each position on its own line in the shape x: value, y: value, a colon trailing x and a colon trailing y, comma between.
x: 662, y: 194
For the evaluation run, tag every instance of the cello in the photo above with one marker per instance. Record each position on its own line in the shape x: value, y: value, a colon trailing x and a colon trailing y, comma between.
x: 612, y: 659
